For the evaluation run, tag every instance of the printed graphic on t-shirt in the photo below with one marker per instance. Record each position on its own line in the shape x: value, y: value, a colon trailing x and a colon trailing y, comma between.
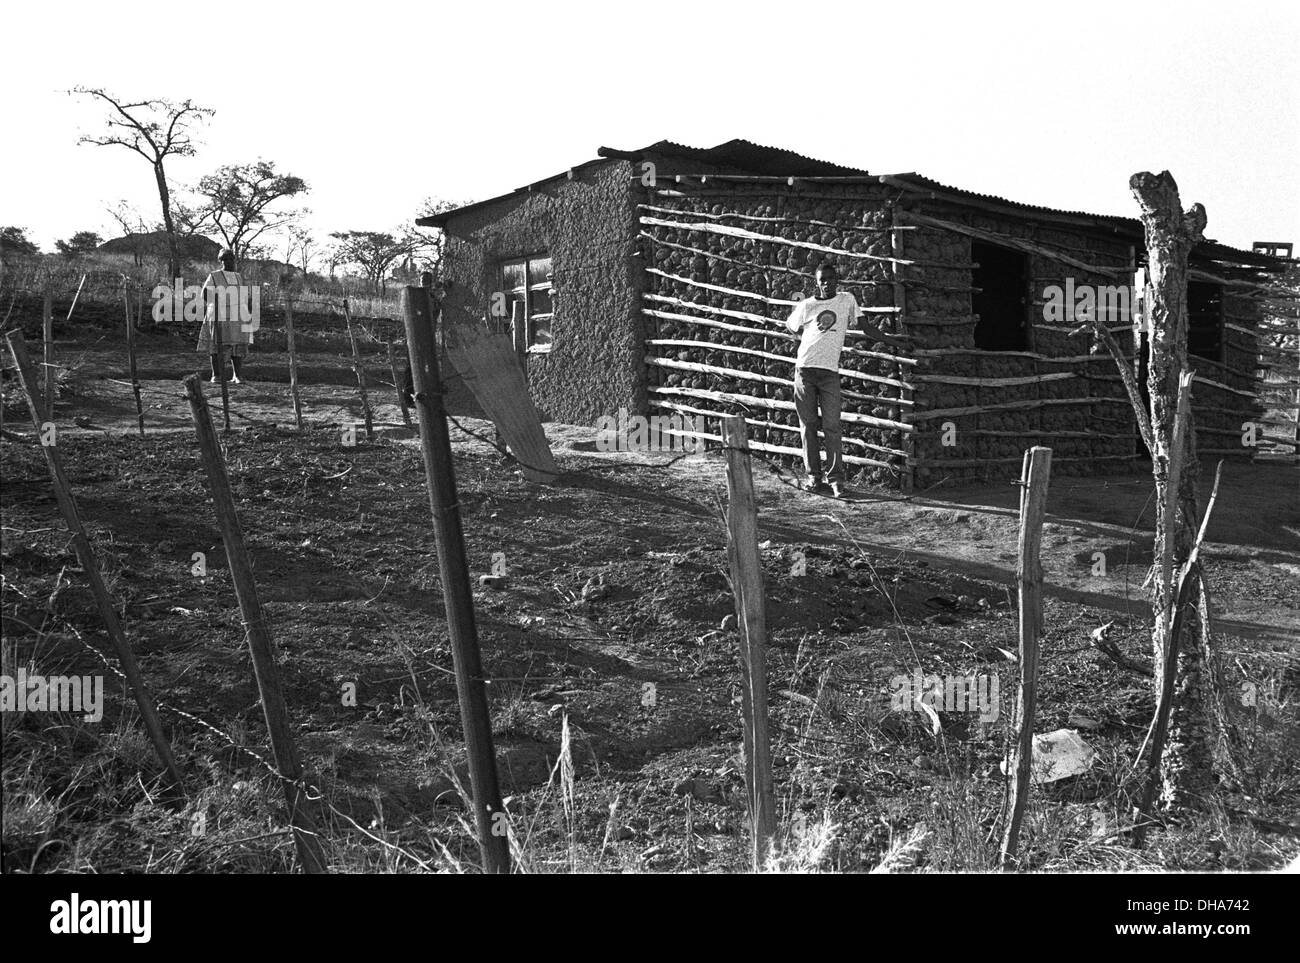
x: 826, y: 320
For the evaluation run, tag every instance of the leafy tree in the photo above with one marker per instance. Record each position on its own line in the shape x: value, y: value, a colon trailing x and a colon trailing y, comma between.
x: 14, y: 240
x: 375, y: 252
x: 236, y: 201
x: 83, y: 242
x: 156, y: 129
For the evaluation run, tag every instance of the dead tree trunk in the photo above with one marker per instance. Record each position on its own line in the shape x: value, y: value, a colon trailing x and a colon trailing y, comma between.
x: 1171, y: 234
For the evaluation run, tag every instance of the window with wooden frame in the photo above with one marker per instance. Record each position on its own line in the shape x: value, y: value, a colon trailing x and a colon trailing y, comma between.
x: 527, y: 282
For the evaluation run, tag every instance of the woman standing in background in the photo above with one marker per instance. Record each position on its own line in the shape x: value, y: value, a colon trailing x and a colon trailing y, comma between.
x: 234, y: 338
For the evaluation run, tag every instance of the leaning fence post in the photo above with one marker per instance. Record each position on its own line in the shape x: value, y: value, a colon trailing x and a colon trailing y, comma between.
x: 260, y: 646
x: 47, y: 433
x: 397, y: 385
x: 435, y: 444
x: 360, y: 370
x: 746, y: 567
x: 130, y: 356
x: 1034, y: 476
x: 47, y: 337
x: 293, y: 363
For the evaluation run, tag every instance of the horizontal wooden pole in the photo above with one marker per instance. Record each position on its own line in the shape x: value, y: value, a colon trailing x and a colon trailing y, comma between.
x: 982, y: 352
x: 776, y: 330
x: 779, y: 449
x: 713, y: 256
x: 1012, y: 406
x: 1006, y: 240
x: 979, y: 462
x: 743, y: 234
x: 853, y: 228
x: 997, y: 382
x: 736, y: 349
x: 703, y: 368
x: 775, y: 403
x: 761, y: 423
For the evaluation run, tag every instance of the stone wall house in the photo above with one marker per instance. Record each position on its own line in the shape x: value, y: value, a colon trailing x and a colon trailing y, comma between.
x: 657, y: 280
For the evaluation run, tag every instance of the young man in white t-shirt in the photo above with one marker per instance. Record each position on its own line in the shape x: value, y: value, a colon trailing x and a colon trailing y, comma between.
x: 824, y: 321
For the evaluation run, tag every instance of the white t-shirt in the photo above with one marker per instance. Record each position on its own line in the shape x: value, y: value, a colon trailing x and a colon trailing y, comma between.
x: 821, y: 348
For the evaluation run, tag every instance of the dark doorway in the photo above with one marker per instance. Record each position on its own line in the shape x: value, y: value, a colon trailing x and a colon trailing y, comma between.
x: 1205, y: 320
x: 1002, y: 282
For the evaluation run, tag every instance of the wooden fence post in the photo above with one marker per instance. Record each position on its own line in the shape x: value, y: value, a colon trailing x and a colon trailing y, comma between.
x: 435, y: 444
x: 47, y: 369
x: 293, y: 364
x: 130, y: 356
x: 360, y: 370
x: 86, y: 555
x: 75, y: 298
x: 746, y: 567
x: 1034, y: 476
x: 397, y: 386
x: 260, y: 647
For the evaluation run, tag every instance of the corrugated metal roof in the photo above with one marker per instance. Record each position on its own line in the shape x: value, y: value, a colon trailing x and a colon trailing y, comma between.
x: 748, y: 157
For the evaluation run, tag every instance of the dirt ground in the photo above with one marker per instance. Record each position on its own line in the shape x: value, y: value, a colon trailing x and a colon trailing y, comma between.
x: 615, y: 622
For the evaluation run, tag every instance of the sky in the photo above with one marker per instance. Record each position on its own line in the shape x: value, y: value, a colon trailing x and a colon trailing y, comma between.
x: 382, y: 104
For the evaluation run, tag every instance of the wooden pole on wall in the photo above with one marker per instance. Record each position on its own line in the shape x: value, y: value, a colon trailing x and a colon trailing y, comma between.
x: 435, y: 445
x: 47, y: 433
x: 746, y: 567
x: 260, y: 646
x: 900, y: 303
x: 293, y: 364
x: 1034, y: 478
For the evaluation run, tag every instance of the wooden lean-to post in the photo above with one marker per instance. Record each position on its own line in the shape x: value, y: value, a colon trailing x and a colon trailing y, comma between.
x: 435, y: 445
x: 1034, y: 477
x: 293, y: 364
x: 130, y: 356
x: 908, y: 438
x: 260, y: 646
x: 47, y: 432
x: 746, y: 568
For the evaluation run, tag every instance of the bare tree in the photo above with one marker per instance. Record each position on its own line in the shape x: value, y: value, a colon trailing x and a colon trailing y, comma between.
x: 435, y: 243
x: 155, y: 129
x: 236, y: 200
x: 299, y: 246
x: 133, y: 228
x: 1198, y: 728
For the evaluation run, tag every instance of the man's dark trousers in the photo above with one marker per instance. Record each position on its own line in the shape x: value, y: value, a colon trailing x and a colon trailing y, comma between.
x: 818, y: 401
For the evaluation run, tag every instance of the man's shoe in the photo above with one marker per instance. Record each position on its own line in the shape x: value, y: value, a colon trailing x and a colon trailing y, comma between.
x: 837, y: 489
x: 235, y: 380
x: 813, y: 485
x: 213, y: 380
